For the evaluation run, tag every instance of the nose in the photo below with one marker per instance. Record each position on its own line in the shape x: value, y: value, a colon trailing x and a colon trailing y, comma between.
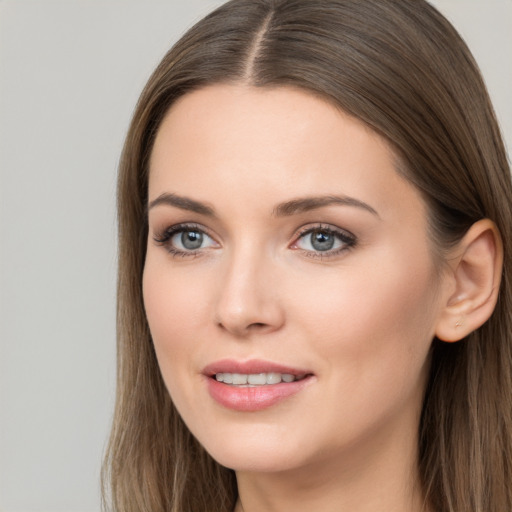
x: 249, y: 296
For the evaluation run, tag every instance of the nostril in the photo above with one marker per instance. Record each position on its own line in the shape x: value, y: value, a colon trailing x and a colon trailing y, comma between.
x: 241, y: 330
x: 242, y: 319
x: 257, y: 326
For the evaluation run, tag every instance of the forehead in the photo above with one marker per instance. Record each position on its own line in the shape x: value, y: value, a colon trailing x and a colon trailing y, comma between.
x: 271, y: 143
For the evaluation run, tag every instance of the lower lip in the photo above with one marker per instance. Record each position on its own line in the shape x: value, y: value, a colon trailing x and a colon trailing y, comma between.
x: 257, y: 398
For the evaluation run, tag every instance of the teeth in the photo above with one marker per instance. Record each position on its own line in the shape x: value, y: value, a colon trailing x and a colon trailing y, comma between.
x: 239, y: 378
x: 273, y: 378
x: 256, y: 379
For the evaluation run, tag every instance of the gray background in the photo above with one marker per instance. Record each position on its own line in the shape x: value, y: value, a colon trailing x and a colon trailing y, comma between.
x: 70, y: 73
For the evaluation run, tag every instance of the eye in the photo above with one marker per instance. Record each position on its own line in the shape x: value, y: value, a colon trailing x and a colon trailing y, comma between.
x: 185, y: 240
x: 189, y: 240
x: 323, y: 239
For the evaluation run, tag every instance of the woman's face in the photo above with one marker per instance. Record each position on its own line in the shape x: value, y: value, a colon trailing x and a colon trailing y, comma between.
x: 283, y: 246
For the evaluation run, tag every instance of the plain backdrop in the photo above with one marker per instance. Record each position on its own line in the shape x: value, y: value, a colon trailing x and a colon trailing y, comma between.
x: 70, y: 74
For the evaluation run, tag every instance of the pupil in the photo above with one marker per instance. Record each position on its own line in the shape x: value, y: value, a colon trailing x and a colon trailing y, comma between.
x: 191, y: 239
x: 322, y: 241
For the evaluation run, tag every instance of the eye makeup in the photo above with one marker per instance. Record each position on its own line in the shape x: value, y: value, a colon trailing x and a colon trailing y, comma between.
x: 185, y: 240
x: 315, y: 241
x: 323, y: 241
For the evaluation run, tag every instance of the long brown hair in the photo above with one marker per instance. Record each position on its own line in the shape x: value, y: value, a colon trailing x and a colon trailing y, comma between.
x: 401, y: 68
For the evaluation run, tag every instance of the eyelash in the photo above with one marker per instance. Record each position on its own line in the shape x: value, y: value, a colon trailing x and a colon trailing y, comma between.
x: 347, y: 239
x: 164, y: 239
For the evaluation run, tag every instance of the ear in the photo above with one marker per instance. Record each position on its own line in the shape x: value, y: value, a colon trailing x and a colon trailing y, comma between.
x: 475, y: 275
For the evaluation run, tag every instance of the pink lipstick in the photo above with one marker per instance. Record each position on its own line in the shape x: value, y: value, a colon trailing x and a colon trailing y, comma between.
x: 253, y: 385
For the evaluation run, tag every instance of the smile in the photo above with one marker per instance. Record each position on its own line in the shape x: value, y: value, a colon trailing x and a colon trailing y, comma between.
x: 256, y: 379
x: 254, y: 385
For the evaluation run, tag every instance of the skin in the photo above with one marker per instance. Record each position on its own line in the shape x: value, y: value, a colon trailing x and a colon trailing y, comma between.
x: 361, y: 321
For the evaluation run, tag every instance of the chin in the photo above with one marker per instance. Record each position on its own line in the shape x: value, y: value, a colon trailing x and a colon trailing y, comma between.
x: 254, y: 461
x: 253, y: 452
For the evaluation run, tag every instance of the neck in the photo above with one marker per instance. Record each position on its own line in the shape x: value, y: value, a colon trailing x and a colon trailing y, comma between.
x: 373, y: 475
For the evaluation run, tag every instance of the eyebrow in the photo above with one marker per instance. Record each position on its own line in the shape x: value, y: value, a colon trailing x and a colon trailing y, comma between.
x: 293, y: 207
x: 184, y: 203
x: 306, y: 204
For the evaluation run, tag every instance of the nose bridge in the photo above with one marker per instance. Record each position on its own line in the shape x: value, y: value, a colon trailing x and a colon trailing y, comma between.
x: 247, y: 298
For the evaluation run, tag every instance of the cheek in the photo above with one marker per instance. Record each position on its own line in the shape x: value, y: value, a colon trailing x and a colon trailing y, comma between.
x: 374, y: 321
x: 371, y: 333
x: 174, y: 309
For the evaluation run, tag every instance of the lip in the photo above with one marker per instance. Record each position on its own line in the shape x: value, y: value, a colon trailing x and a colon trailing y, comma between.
x: 251, y: 366
x: 251, y: 399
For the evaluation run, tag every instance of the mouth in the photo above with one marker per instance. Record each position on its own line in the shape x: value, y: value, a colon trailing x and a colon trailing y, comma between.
x: 251, y: 386
x: 256, y: 379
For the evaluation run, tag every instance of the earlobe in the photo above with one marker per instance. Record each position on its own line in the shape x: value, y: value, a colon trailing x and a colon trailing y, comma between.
x: 476, y: 274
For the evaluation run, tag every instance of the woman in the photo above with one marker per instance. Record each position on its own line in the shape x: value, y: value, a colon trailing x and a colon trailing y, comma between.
x: 315, y: 262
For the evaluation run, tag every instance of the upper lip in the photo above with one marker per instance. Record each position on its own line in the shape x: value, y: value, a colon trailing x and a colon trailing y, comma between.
x: 251, y: 367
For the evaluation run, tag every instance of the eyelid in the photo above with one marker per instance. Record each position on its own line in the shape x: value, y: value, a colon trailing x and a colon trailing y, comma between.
x: 164, y: 233
x: 164, y: 236
x: 348, y: 239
